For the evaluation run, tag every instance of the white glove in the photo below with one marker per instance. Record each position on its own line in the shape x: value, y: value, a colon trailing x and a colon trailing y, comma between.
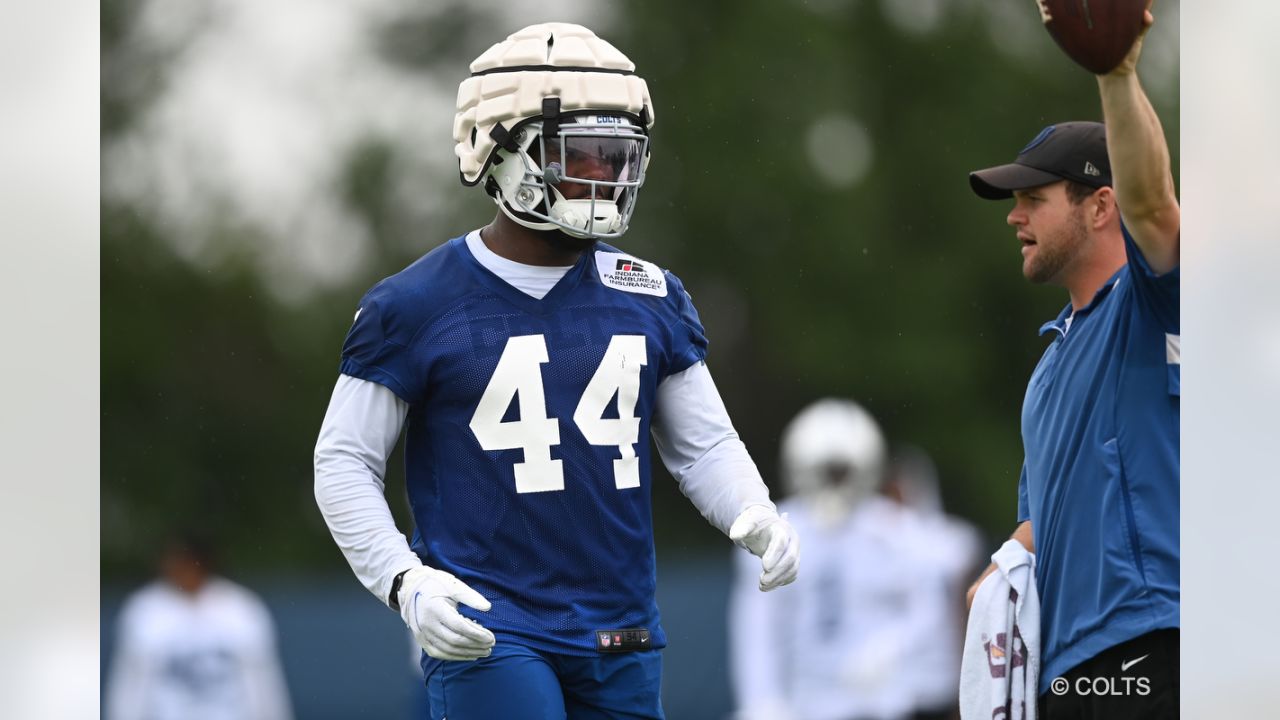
x: 429, y: 605
x: 772, y: 539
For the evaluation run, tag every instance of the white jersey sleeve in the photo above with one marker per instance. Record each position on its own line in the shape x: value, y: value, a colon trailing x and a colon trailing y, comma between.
x: 359, y: 432
x: 702, y: 451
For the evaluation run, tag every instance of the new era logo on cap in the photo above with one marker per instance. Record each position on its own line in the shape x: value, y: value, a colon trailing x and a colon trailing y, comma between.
x: 1089, y: 169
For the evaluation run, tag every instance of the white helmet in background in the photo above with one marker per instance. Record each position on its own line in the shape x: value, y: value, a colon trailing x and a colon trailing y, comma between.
x: 556, y: 124
x: 834, y: 453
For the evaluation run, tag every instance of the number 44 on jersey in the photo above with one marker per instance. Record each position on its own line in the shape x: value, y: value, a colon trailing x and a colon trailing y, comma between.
x: 519, y: 372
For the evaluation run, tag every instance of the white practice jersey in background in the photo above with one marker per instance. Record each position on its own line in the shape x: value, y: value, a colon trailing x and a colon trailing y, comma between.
x: 207, y: 656
x: 951, y: 550
x: 870, y: 629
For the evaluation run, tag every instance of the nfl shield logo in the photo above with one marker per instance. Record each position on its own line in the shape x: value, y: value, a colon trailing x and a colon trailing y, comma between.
x: 605, y: 639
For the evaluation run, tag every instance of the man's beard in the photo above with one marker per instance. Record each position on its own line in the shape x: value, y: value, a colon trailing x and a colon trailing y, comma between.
x: 1051, y: 259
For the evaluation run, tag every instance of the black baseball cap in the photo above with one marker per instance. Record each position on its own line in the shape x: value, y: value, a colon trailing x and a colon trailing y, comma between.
x: 1066, y: 151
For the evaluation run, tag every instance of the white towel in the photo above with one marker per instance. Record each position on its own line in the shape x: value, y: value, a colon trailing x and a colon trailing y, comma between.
x: 1000, y: 668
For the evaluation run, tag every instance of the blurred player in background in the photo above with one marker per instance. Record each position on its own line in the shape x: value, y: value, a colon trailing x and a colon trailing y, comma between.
x: 1097, y: 213
x: 195, y: 646
x: 872, y: 628
x: 949, y: 550
x: 527, y: 362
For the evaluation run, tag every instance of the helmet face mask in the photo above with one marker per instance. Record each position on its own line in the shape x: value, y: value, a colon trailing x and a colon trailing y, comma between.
x: 583, y: 181
x: 555, y: 123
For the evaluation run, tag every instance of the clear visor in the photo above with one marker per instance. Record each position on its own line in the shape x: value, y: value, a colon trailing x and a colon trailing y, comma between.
x: 597, y: 157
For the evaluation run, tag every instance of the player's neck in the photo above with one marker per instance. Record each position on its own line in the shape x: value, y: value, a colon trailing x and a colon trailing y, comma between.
x: 1096, y: 269
x: 515, y: 242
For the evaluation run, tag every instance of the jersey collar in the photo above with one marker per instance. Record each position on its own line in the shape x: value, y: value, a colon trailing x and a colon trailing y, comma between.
x: 1065, y: 318
x: 549, y: 302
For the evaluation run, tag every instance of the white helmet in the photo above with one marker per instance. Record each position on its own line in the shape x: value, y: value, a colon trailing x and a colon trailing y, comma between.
x: 833, y: 449
x: 556, y: 123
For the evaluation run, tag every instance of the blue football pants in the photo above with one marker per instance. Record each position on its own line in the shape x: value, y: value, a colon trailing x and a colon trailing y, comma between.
x: 521, y: 683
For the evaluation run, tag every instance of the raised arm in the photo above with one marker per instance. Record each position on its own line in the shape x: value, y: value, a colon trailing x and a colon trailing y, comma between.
x: 1140, y: 167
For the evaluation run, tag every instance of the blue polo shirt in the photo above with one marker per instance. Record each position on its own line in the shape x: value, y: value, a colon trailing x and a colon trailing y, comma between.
x: 1100, y: 478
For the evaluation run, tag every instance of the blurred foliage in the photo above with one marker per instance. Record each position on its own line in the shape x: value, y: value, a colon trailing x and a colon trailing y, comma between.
x: 901, y: 291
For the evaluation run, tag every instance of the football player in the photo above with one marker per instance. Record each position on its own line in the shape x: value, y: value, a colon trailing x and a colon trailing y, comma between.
x: 854, y: 637
x: 525, y: 363
x: 193, y: 645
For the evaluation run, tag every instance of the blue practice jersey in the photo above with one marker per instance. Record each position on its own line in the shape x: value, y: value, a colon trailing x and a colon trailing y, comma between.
x: 526, y: 445
x: 1100, y: 482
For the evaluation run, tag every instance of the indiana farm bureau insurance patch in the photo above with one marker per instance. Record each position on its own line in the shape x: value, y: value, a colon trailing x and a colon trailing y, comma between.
x: 624, y: 272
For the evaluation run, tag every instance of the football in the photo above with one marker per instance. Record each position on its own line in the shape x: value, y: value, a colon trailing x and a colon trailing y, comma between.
x: 1097, y: 34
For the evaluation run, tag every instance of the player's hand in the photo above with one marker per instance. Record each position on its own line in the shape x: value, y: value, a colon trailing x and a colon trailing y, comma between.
x: 772, y: 539
x: 429, y: 605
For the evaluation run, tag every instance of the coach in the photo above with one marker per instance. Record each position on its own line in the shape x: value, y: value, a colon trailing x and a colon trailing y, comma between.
x: 1096, y: 213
